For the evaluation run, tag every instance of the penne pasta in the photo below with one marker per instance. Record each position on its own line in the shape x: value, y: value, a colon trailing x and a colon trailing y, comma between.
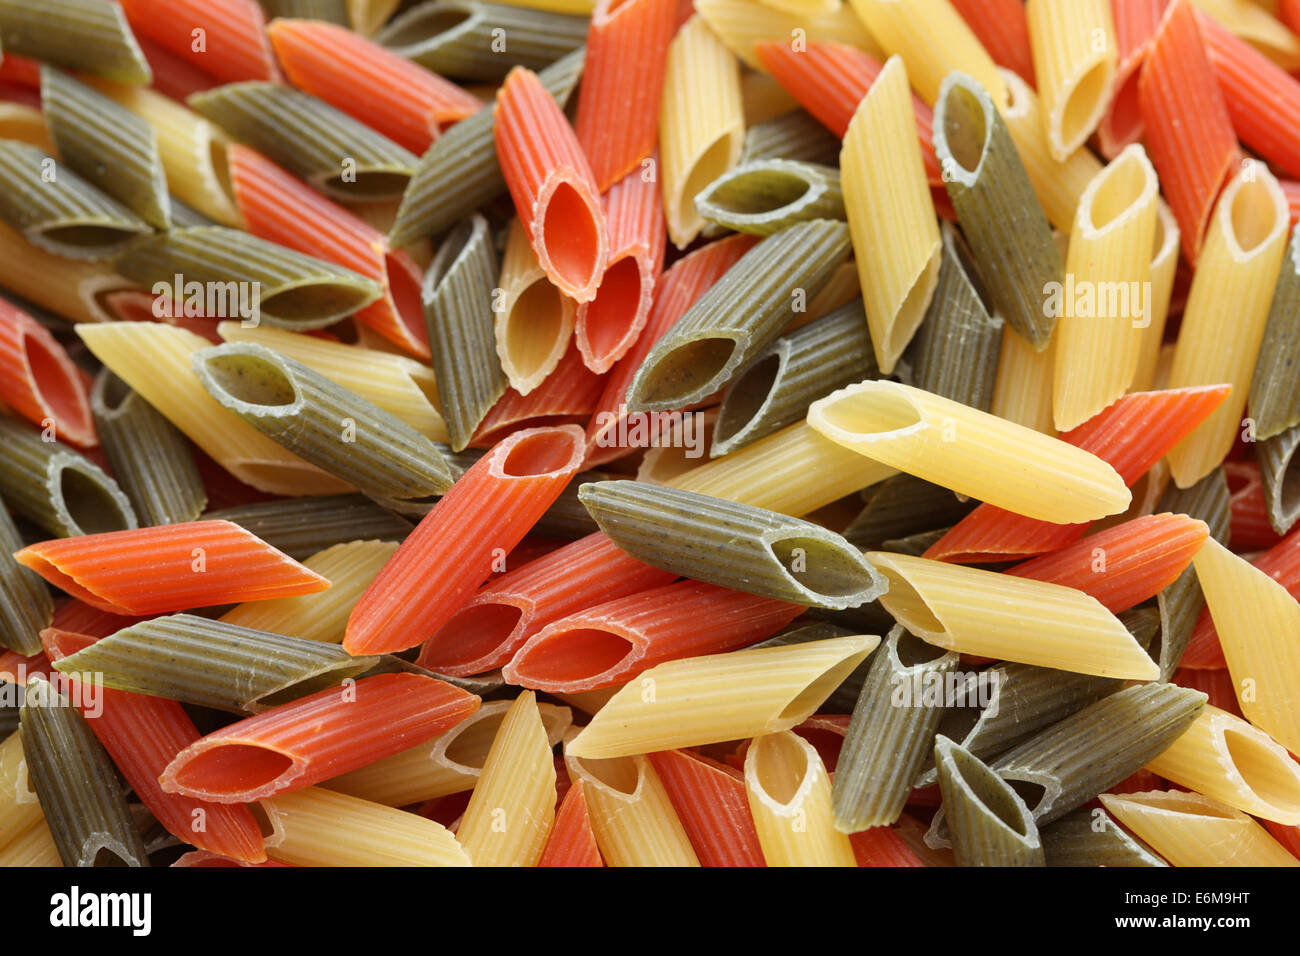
x: 534, y: 317
x: 231, y: 46
x: 300, y: 527
x: 790, y: 798
x: 990, y: 824
x: 1093, y: 838
x: 1075, y: 59
x: 1274, y: 401
x: 80, y: 35
x: 1190, y: 829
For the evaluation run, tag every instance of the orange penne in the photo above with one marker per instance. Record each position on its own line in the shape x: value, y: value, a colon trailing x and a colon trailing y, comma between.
x: 281, y: 208
x: 80, y: 618
x: 607, y: 327
x: 1188, y: 130
x: 484, y: 515
x: 1132, y: 434
x: 387, y: 92
x: 881, y: 846
x: 189, y: 564
x: 1249, y: 525
x: 1001, y: 27
x: 615, y: 641
x: 552, y: 185
x: 21, y: 71
x: 328, y: 733
x: 485, y: 633
x: 572, y: 842
x: 40, y: 382
x: 1123, y: 566
x: 622, y: 81
x: 568, y: 395
x: 1135, y: 29
x: 711, y: 802
x: 225, y: 39
x: 1216, y: 684
x: 678, y: 289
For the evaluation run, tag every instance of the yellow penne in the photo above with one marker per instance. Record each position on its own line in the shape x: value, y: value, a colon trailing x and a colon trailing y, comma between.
x: 1226, y: 758
x: 1023, y: 393
x: 1009, y: 618
x: 154, y: 359
x: 450, y: 763
x: 790, y: 798
x: 19, y: 810
x: 1227, y: 308
x: 513, y: 804
x: 1189, y: 829
x: 891, y: 215
x: 970, y: 451
x: 25, y: 124
x: 933, y: 40
x: 1164, y: 267
x: 1106, y: 300
x: 33, y: 847
x: 676, y: 456
x: 317, y: 827
x: 367, y: 16
x: 590, y: 701
x: 701, y: 123
x: 72, y: 288
x: 1075, y: 58
x: 1057, y: 183
x: 397, y: 384
x: 804, y: 8
x: 534, y: 319
x: 1258, y: 27
x: 742, y: 23
x: 1259, y: 630
x: 631, y: 816
x: 581, y: 8
x: 705, y: 700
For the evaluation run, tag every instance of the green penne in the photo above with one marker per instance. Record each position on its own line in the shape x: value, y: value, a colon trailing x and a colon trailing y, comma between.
x: 325, y: 424
x: 150, y: 456
x: 213, y: 664
x: 777, y: 387
x: 901, y: 506
x: 795, y: 136
x: 1274, y: 400
x: 89, y: 36
x: 568, y: 517
x: 466, y: 155
x: 1093, y: 838
x: 57, y: 210
x: 9, y: 717
x: 184, y: 217
x: 732, y: 545
x: 76, y: 782
x: 58, y: 488
x: 956, y: 351
x: 226, y: 273
x: 1276, y: 458
x: 25, y: 603
x: 803, y: 630
x: 471, y: 40
x: 891, y: 731
x: 334, y: 11
x: 102, y: 141
x: 342, y: 157
x: 458, y: 296
x: 915, y: 544
x: 738, y: 316
x: 1181, y: 602
x: 999, y: 213
x: 989, y: 822
x: 300, y: 527
x: 764, y: 196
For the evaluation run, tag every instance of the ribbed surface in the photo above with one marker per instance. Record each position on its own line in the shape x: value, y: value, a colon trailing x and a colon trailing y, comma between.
x: 1189, y: 829
x: 1276, y: 469
x: 1164, y: 268
x: 901, y: 506
x: 115, y: 150
x: 755, y: 197
x: 1023, y: 390
x: 25, y: 605
x: 1075, y: 840
x: 310, y: 138
x: 331, y: 11
x: 790, y: 797
x: 572, y: 842
x: 569, y: 392
x: 1274, y: 394
x: 234, y: 35
x: 375, y: 86
x: 467, y: 154
x: 989, y: 822
x: 636, y: 827
x: 742, y: 25
x: 1011, y: 242
x: 711, y: 802
x: 1182, y: 602
x: 84, y: 35
x: 1001, y: 29
x: 534, y: 324
x: 301, y: 527
x: 795, y: 136
x: 198, y: 661
x: 1075, y: 57
x: 1136, y: 22
x: 458, y: 315
x: 64, y: 214
x: 39, y: 381
x: 889, y: 736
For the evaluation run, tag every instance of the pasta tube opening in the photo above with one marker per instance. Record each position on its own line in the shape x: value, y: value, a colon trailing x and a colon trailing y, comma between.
x: 681, y: 371
x: 227, y: 767
x: 250, y: 380
x: 1256, y: 215
x: 543, y: 452
x: 82, y: 498
x: 571, y: 235
x: 868, y: 412
x: 778, y: 772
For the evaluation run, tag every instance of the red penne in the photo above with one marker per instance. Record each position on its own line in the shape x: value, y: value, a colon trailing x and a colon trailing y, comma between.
x: 203, y: 858
x: 1249, y: 528
x: 488, y: 511
x: 1189, y: 133
x: 1135, y: 29
x: 139, y: 305
x: 142, y: 734
x: 223, y: 489
x: 607, y: 327
x: 1291, y: 189
x: 826, y: 733
x: 174, y: 76
x: 317, y: 737
x: 1263, y: 100
x: 571, y: 841
x: 1002, y: 29
x: 169, y: 568
x: 20, y: 70
x: 39, y: 381
x: 1288, y: 836
x: 1215, y: 684
x: 568, y: 395
x: 551, y: 184
x: 1131, y: 434
x: 881, y: 846
x: 1123, y: 566
x: 80, y: 618
x: 387, y: 92
x: 711, y: 802
x: 613, y: 642
x: 485, y: 633
x: 1288, y: 11
x: 281, y: 208
x: 622, y: 79
x: 679, y: 289
x: 17, y: 668
x: 224, y: 38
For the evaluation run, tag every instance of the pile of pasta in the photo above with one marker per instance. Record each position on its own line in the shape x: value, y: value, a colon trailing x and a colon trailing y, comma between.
x: 649, y: 432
